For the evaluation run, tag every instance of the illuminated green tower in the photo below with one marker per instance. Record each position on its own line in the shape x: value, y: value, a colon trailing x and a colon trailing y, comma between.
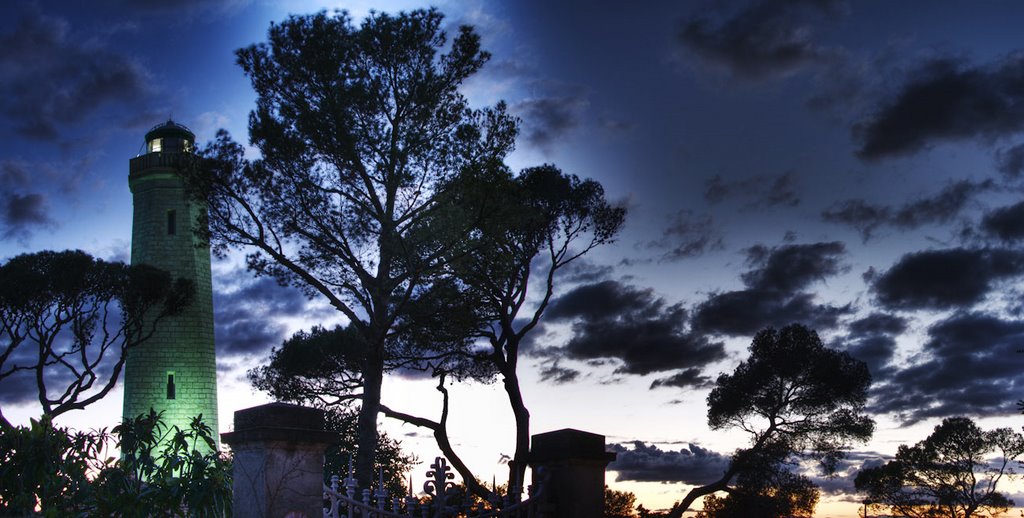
x: 175, y: 371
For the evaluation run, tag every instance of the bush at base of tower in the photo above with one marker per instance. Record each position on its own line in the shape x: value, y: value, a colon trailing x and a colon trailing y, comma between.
x: 51, y: 471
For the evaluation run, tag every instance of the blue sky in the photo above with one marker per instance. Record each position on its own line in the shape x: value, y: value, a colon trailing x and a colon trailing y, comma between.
x: 855, y: 166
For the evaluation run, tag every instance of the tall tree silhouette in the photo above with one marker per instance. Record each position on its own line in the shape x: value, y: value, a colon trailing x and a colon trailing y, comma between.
x: 545, y: 221
x: 794, y: 397
x: 361, y: 132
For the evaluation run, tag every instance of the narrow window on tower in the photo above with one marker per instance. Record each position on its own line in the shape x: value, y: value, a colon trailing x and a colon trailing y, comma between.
x: 170, y: 385
x: 172, y: 222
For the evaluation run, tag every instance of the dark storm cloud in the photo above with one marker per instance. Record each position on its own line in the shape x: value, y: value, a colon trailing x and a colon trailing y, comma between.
x: 790, y: 268
x: 579, y: 271
x: 688, y: 235
x: 744, y: 312
x: 774, y: 295
x: 945, y: 205
x: 52, y: 77
x: 946, y: 100
x: 547, y: 120
x: 877, y: 324
x: 18, y: 389
x: 613, y: 320
x: 944, y: 279
x: 970, y: 365
x: 692, y: 465
x: 1005, y: 223
x: 1010, y: 161
x: 762, y: 39
x: 761, y: 191
x: 558, y: 375
x: 246, y: 317
x: 22, y: 214
x: 872, y: 339
x: 687, y: 378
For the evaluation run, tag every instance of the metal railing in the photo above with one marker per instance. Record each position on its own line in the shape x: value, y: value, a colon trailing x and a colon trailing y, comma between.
x: 340, y: 500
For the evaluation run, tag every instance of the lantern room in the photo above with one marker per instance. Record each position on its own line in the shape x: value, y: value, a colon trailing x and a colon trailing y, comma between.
x: 170, y: 137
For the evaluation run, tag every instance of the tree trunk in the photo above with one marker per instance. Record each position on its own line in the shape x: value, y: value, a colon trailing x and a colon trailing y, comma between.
x: 720, y: 485
x: 517, y: 467
x: 366, y: 453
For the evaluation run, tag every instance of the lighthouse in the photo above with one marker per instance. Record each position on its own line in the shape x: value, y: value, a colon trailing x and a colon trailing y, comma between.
x: 175, y: 370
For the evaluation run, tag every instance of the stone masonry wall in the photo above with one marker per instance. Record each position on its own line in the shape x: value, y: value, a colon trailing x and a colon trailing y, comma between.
x: 182, y: 345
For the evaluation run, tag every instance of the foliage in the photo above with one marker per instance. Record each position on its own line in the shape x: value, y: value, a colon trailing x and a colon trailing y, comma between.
x: 320, y: 367
x: 950, y: 473
x: 68, y: 321
x: 795, y: 397
x: 643, y: 512
x: 543, y: 214
x: 64, y: 473
x: 619, y: 504
x: 45, y: 466
x: 361, y: 132
x: 764, y: 495
x: 394, y: 462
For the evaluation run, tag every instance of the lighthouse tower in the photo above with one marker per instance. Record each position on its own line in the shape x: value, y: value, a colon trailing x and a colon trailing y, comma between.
x: 175, y: 370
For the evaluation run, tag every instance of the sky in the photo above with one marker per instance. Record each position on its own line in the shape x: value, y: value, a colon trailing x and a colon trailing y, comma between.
x: 852, y: 166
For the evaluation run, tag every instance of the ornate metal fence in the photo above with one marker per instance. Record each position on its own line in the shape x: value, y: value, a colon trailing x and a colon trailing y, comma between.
x: 341, y: 501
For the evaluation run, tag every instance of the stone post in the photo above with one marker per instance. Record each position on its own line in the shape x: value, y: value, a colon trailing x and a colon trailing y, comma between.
x: 278, y: 461
x: 571, y: 465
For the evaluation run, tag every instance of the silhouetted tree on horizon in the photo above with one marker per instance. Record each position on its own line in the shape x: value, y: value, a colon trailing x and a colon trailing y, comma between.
x: 950, y: 473
x: 69, y: 321
x: 540, y: 215
x: 361, y: 132
x: 796, y: 398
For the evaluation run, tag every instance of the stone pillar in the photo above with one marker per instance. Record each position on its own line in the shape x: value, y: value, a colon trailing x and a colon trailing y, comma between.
x: 278, y: 461
x: 571, y: 465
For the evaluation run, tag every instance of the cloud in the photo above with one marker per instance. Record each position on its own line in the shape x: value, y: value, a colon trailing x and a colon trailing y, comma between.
x: 774, y: 293
x: 558, y: 375
x: 877, y: 324
x: 970, y: 365
x: 248, y: 314
x: 688, y: 235
x: 1005, y: 223
x: 578, y: 271
x: 792, y: 267
x: 547, y: 120
x: 939, y: 208
x: 946, y: 100
x: 1010, y: 161
x: 613, y: 320
x: 19, y: 389
x: 692, y: 465
x: 945, y: 279
x: 761, y: 191
x: 52, y: 77
x: 872, y: 339
x: 688, y: 378
x: 764, y: 39
x: 23, y: 213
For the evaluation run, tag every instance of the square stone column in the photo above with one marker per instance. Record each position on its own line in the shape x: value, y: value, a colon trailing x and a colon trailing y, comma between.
x: 571, y: 463
x: 278, y: 461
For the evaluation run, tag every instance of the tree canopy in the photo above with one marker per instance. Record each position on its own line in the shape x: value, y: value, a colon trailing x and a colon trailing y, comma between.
x: 547, y: 219
x: 361, y: 131
x: 954, y: 472
x: 795, y: 398
x: 68, y: 321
